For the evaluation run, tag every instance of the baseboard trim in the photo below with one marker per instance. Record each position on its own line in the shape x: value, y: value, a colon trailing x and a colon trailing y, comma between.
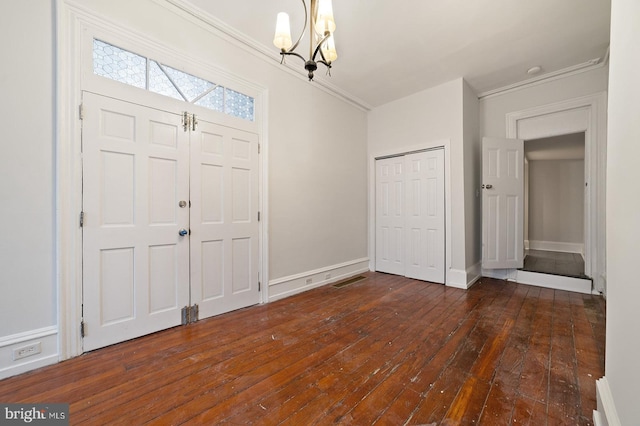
x: 556, y: 282
x: 474, y: 273
x: 298, y: 283
x: 556, y: 246
x: 606, y: 414
x: 47, y: 337
x: 457, y: 278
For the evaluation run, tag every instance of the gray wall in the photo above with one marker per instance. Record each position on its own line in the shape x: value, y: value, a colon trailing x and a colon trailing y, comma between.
x: 27, y: 256
x: 556, y: 201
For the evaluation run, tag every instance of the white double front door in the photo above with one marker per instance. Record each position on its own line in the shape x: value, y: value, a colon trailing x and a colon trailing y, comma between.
x: 410, y: 215
x: 169, y: 219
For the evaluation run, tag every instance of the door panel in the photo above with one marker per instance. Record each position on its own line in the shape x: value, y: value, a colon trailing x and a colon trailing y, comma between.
x: 224, y: 223
x: 135, y: 265
x: 390, y: 215
x: 425, y: 222
x: 502, y: 203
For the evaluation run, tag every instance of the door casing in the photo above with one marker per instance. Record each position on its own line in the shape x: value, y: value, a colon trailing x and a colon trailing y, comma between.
x: 584, y: 114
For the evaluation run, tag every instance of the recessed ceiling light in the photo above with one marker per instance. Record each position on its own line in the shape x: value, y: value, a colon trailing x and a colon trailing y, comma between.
x: 534, y: 70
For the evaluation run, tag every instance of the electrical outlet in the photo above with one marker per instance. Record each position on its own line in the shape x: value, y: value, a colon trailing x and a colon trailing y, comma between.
x: 28, y: 350
x: 327, y: 276
x: 309, y: 280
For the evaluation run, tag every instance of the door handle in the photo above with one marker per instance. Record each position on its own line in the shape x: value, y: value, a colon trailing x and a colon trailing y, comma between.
x: 183, y: 232
x: 487, y: 186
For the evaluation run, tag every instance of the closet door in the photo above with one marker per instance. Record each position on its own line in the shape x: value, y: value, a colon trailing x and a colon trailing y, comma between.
x: 424, y: 216
x: 390, y: 215
x: 410, y: 216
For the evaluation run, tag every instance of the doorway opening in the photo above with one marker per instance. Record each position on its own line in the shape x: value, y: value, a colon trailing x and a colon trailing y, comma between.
x: 554, y: 222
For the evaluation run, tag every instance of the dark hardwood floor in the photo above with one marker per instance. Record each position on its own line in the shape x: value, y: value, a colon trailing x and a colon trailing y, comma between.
x: 385, y: 350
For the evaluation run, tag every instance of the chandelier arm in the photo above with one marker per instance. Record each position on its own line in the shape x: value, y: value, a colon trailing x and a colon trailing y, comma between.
x: 293, y: 54
x: 292, y: 48
x: 319, y: 50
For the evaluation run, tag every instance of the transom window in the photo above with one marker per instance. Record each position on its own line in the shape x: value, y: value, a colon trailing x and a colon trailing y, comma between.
x: 129, y: 68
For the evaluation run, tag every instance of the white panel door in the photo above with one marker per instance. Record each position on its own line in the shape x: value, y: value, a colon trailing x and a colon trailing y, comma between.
x: 224, y: 223
x: 135, y: 264
x: 424, y: 216
x: 390, y: 222
x: 502, y: 203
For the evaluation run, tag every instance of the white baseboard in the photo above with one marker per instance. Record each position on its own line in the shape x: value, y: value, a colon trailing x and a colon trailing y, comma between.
x: 556, y: 246
x: 606, y: 414
x: 474, y: 273
x: 556, y: 282
x: 458, y: 278
x: 298, y: 283
x: 45, y: 338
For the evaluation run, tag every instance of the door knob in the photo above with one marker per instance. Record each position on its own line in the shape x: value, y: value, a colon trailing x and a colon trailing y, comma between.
x: 183, y: 232
x: 487, y: 186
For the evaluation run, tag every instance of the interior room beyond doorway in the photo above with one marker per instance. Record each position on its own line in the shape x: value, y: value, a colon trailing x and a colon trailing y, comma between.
x: 555, y: 205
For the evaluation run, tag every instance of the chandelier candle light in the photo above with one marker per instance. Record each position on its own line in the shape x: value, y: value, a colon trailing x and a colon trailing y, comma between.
x: 320, y: 33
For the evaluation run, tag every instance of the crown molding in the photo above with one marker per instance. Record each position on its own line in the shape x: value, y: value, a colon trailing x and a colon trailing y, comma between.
x: 221, y: 29
x: 551, y: 76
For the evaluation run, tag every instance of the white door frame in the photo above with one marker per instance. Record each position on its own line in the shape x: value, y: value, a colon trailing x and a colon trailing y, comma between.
x: 442, y: 143
x: 74, y: 26
x: 584, y: 114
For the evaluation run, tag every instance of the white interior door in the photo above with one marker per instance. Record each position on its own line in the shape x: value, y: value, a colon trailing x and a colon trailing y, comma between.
x: 424, y: 229
x: 224, y: 218
x: 502, y: 203
x: 390, y: 220
x: 135, y: 263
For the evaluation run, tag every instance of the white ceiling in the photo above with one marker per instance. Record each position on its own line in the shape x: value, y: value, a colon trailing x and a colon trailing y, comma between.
x: 391, y: 49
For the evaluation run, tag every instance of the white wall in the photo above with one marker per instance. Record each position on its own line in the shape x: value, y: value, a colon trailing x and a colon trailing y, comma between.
x: 427, y: 117
x: 27, y: 281
x: 317, y: 172
x: 472, y: 178
x: 556, y: 201
x: 493, y: 109
x: 623, y: 204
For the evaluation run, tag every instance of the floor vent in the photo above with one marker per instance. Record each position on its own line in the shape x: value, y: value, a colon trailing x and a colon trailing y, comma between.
x: 350, y: 281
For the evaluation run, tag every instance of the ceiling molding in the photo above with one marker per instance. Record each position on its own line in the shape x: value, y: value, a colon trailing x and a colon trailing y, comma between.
x: 545, y: 78
x: 207, y: 21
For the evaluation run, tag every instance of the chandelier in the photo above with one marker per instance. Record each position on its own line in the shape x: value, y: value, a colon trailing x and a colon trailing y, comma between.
x: 320, y: 33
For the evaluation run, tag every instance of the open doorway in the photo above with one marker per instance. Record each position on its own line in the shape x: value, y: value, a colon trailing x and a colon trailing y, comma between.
x: 554, y: 223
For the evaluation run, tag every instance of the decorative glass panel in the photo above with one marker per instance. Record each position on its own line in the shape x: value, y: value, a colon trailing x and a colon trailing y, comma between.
x: 126, y: 67
x: 190, y: 85
x: 159, y: 83
x: 119, y: 64
x: 238, y: 105
x: 214, y: 100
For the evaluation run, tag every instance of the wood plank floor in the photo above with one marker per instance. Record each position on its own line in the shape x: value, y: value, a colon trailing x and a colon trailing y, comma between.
x: 386, y: 350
